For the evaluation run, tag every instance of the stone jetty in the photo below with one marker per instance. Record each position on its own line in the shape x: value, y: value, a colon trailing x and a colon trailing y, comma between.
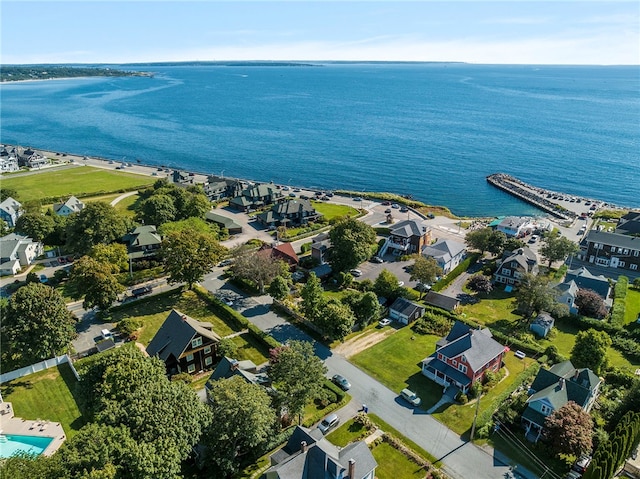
x: 531, y: 194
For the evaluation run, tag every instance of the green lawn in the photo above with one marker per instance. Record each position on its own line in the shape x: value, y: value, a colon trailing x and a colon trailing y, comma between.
x: 46, y: 395
x: 80, y: 181
x: 393, y: 464
x: 632, y: 311
x: 332, y: 210
x: 348, y: 432
x: 125, y: 206
x: 495, y: 310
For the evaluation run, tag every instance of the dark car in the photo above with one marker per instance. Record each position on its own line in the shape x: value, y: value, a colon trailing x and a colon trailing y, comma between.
x: 341, y: 382
x: 581, y: 464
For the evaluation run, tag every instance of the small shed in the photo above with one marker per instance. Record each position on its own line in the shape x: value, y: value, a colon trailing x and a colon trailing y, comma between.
x: 405, y: 311
x: 542, y: 324
x: 441, y: 301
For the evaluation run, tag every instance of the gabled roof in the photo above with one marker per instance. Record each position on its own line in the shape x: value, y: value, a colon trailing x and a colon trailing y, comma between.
x: 293, y: 206
x: 545, y: 320
x: 584, y: 279
x: 444, y: 249
x: 10, y: 205
x: 175, y: 335
x: 567, y: 287
x: 523, y: 256
x: 514, y: 222
x: 286, y: 252
x: 613, y: 239
x: 477, y: 346
x: 10, y: 243
x: 228, y: 223
x: 143, y: 236
x: 563, y: 383
x: 407, y: 229
x: 73, y: 203
x: 441, y: 301
x: 629, y: 224
x: 405, y: 307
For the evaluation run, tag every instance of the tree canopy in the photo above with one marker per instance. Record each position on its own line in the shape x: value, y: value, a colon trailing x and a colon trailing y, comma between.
x: 569, y: 430
x: 35, y: 225
x: 313, y: 301
x: 279, y: 288
x: 486, y: 239
x: 387, y: 286
x: 535, y: 294
x: 188, y: 255
x: 95, y: 281
x: 590, y: 350
x: 425, y: 270
x: 260, y: 267
x: 336, y: 320
x: 298, y: 375
x: 557, y: 248
x: 590, y: 304
x: 165, y: 202
x: 37, y: 325
x: 351, y: 244
x: 244, y: 421
x: 98, y: 222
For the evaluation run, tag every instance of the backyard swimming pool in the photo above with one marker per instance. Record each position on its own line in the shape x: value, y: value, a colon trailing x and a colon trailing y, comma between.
x: 11, y: 444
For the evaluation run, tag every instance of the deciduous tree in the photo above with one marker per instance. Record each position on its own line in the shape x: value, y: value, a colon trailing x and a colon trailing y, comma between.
x: 351, y: 244
x: 479, y: 239
x: 189, y: 255
x: 313, y: 301
x: 244, y: 421
x: 365, y: 306
x: 37, y: 324
x: 157, y: 210
x: 35, y: 225
x: 557, y: 248
x: 386, y: 285
x: 259, y: 267
x: 590, y: 303
x: 298, y: 375
x: 114, y: 254
x: 569, y: 430
x: 480, y: 283
x: 425, y: 270
x: 535, y: 294
x: 336, y: 320
x: 96, y: 282
x: 590, y: 350
x: 279, y: 288
x: 98, y: 222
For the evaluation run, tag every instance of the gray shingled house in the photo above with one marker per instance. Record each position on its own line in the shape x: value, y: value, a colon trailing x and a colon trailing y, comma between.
x: 308, y: 455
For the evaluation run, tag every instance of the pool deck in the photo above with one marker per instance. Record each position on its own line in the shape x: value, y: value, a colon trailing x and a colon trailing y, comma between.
x: 9, y: 424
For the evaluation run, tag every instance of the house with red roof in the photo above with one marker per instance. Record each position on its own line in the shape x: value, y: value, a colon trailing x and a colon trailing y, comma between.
x: 282, y: 251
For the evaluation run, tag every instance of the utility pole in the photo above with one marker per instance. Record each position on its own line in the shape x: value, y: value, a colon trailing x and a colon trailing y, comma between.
x: 475, y: 417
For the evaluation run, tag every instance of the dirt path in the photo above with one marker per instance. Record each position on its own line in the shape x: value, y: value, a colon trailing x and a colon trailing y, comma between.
x: 122, y: 197
x: 360, y: 343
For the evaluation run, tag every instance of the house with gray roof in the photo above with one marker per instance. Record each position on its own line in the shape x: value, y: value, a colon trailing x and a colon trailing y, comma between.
x: 320, y: 246
x: 17, y: 251
x: 516, y: 226
x: 247, y: 370
x: 566, y: 294
x: 629, y: 224
x: 406, y: 237
x: 72, y: 205
x: 611, y: 250
x: 308, y: 455
x: 514, y: 265
x: 184, y: 344
x: 542, y: 324
x: 295, y: 212
x: 143, y: 242
x: 231, y: 225
x: 405, y: 311
x: 584, y: 279
x: 10, y: 211
x: 441, y: 301
x: 217, y: 187
x: 553, y: 388
x: 463, y: 356
x: 256, y: 196
x: 447, y: 253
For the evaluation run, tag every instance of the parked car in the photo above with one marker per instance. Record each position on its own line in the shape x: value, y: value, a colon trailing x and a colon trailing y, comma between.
x: 356, y: 272
x: 106, y: 334
x: 395, y: 206
x: 384, y: 322
x: 377, y: 259
x: 357, y: 198
x: 404, y: 209
x: 137, y: 292
x: 430, y: 216
x: 328, y: 422
x: 581, y: 464
x: 388, y: 210
x: 341, y: 382
x: 225, y: 262
x: 43, y: 278
x: 411, y: 397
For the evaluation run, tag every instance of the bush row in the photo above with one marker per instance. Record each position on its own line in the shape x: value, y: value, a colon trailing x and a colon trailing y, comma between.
x: 342, y: 400
x: 457, y: 271
x: 627, y: 346
x: 619, y: 301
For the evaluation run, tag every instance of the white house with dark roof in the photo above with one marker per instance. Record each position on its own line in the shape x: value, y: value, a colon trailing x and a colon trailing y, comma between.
x: 184, y: 344
x: 611, y: 250
x: 447, y: 253
x: 516, y: 226
x: 555, y: 387
x: 308, y: 455
x: 72, y: 205
x: 10, y: 211
x: 462, y: 357
x: 405, y: 311
x: 515, y: 265
x: 16, y: 252
x: 582, y: 278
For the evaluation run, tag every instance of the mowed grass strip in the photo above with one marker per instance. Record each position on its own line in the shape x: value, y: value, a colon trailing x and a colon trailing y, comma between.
x: 632, y: 310
x: 79, y: 181
x: 393, y: 464
x: 46, y: 395
x: 333, y: 210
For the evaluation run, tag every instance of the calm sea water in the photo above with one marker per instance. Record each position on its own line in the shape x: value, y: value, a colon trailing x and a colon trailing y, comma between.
x: 434, y: 131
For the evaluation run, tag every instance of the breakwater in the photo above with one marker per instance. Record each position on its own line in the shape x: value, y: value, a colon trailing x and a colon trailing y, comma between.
x: 530, y: 194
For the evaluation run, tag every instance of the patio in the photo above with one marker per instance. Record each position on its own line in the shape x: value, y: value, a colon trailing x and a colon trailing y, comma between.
x: 9, y: 424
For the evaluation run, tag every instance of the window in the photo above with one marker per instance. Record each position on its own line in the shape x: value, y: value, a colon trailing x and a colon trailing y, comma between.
x: 506, y: 272
x: 626, y: 251
x: 440, y: 356
x: 636, y: 253
x: 207, y: 350
x: 454, y: 362
x: 463, y: 359
x: 191, y: 368
x: 544, y: 409
x: 633, y: 266
x: 208, y: 361
x: 196, y: 342
x: 462, y: 368
x: 189, y: 358
x: 621, y: 264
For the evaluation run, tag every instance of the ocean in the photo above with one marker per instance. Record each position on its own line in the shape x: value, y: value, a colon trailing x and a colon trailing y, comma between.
x: 433, y: 131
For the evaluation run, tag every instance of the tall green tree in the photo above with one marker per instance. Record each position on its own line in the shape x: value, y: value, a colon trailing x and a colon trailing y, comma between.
x: 114, y: 254
x: 535, y: 294
x: 425, y: 270
x: 98, y: 222
x: 313, y: 301
x: 479, y: 239
x: 188, y: 255
x: 336, y: 320
x: 8, y: 193
x: 557, y: 248
x: 279, y: 288
x: 387, y: 286
x: 244, y: 421
x: 35, y: 225
x: 569, y: 430
x: 37, y: 325
x: 590, y: 350
x: 259, y: 267
x: 298, y: 375
x: 157, y: 210
x: 365, y: 307
x: 351, y: 244
x: 96, y: 282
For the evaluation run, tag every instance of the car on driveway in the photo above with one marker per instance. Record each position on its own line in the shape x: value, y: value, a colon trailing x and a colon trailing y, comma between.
x: 356, y: 272
x: 411, y: 397
x: 328, y: 422
x: 377, y: 259
x: 43, y: 278
x: 384, y: 322
x: 395, y: 206
x: 341, y: 382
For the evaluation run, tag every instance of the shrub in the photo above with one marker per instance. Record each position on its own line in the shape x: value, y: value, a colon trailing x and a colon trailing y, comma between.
x: 457, y: 271
x: 433, y: 323
x: 129, y: 325
x: 463, y: 398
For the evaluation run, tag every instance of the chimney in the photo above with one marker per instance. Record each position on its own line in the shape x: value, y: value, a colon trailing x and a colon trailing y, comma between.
x: 184, y: 317
x: 352, y: 468
x: 561, y: 383
x: 575, y: 375
x: 303, y: 447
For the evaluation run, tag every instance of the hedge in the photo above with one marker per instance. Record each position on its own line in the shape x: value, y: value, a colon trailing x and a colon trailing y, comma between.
x: 619, y: 301
x: 457, y: 271
x: 343, y: 400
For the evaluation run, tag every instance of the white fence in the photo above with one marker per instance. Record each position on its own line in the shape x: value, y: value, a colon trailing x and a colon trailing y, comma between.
x: 41, y: 366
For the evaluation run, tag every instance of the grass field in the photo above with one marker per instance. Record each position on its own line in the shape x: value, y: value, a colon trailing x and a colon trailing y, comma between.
x: 80, y: 181
x: 332, y: 210
x: 125, y: 206
x: 46, y: 395
x: 632, y: 311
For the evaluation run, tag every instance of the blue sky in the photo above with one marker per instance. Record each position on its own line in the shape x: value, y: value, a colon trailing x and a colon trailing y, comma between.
x: 513, y: 31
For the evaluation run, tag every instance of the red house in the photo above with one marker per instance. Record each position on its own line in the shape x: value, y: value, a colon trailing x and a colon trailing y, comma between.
x: 463, y: 356
x: 282, y: 251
